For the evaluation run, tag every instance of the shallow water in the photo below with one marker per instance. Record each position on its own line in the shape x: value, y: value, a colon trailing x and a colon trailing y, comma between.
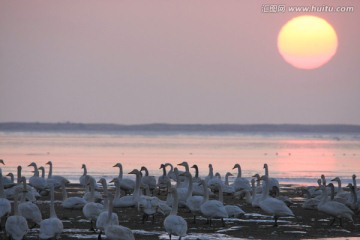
x: 292, y: 158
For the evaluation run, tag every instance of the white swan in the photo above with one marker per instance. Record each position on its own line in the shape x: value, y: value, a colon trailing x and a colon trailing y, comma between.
x: 212, y: 208
x: 51, y: 227
x: 71, y: 202
x: 27, y: 209
x: 227, y: 188
x: 309, y: 203
x: 55, y: 179
x: 115, y: 231
x: 37, y: 182
x: 16, y: 226
x: 340, y: 193
x: 163, y: 179
x: 240, y: 183
x: 192, y: 202
x: 148, y: 180
x: 211, y: 173
x: 333, y: 208
x: 127, y: 184
x: 196, y: 178
x: 91, y: 210
x: 271, y: 181
x: 82, y: 179
x: 102, y: 219
x: 5, y: 206
x: 273, y: 206
x: 118, y: 200
x: 174, y: 224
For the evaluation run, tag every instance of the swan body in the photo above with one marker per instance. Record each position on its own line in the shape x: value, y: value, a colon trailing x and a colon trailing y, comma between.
x: 71, y: 202
x: 164, y: 178
x: 148, y: 180
x: 193, y: 203
x: 174, y: 224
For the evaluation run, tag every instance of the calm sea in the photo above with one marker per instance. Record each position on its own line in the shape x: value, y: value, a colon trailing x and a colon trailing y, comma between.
x: 293, y: 157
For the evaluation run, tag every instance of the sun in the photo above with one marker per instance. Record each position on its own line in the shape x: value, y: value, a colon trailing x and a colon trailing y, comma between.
x: 307, y: 42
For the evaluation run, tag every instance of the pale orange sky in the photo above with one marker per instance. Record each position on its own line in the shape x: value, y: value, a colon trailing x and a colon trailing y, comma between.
x: 169, y: 61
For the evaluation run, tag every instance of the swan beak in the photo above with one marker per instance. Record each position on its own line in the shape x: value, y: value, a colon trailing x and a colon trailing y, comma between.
x: 133, y: 171
x: 2, y: 161
x: 48, y: 163
x: 193, y: 166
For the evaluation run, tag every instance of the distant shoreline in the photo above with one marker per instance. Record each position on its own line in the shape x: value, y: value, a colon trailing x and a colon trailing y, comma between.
x: 164, y: 127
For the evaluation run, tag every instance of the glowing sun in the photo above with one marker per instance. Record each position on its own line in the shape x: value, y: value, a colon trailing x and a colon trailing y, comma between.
x: 307, y: 42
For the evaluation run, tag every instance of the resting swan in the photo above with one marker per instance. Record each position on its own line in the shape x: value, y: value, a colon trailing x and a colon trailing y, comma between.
x: 273, y: 206
x: 51, y: 227
x: 71, y: 202
x: 192, y: 202
x: 16, y: 226
x: 174, y: 224
x: 232, y: 210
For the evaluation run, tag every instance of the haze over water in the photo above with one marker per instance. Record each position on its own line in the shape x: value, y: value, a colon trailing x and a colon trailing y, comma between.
x: 293, y: 156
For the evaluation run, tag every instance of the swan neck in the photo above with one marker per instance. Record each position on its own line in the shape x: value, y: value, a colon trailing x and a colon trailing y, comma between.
x: 120, y: 172
x: 190, y: 187
x: 164, y: 171
x: 2, y: 195
x: 221, y: 195
x: 265, y: 194
x: 227, y: 180
x: 239, y: 171
x: 137, y: 185
x: 16, y: 205
x: 52, y: 207
x: 85, y: 171
x: 187, y: 169
x: 196, y: 171
x: 18, y: 174
x: 175, y: 204
x: 206, y: 193
x: 110, y: 208
x: 50, y: 170
x: 117, y: 190
x: 266, y: 170
x: 64, y: 192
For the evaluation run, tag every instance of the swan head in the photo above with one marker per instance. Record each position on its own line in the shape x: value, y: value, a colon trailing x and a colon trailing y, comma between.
x: 265, y: 165
x: 83, y: 166
x: 102, y: 181
x: 118, y: 165
x: 33, y: 164
x: 184, y: 164
x: 115, y: 181
x: 353, y: 176
x: 143, y: 168
x: 42, y: 168
x: 49, y: 163
x: 337, y: 179
x: 210, y: 166
x: 135, y: 171
x: 229, y: 174
x: 162, y: 166
x: 257, y: 176
x: 236, y: 166
x: 217, y: 174
x: 2, y: 161
x: 194, y: 166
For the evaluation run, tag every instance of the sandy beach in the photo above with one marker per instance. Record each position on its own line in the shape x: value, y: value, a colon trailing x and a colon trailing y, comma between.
x: 307, y: 224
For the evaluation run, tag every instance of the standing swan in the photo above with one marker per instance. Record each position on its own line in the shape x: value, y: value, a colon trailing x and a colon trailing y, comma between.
x: 240, y: 183
x: 16, y: 226
x: 273, y: 206
x: 56, y: 179
x: 51, y: 227
x: 174, y: 224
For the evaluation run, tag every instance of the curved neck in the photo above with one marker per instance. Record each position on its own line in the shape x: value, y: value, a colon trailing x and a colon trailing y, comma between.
x: 120, y: 171
x: 85, y: 171
x: 164, y: 170
x: 239, y: 171
x: 196, y: 171
x: 146, y: 171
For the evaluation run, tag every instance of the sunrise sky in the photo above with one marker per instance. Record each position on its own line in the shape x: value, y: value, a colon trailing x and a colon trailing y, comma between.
x: 131, y: 62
